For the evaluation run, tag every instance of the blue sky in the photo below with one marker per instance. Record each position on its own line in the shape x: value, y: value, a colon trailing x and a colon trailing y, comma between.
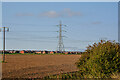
x: 33, y: 25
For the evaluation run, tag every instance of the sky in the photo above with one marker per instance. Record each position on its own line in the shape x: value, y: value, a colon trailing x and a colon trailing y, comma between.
x: 59, y: 0
x: 33, y: 24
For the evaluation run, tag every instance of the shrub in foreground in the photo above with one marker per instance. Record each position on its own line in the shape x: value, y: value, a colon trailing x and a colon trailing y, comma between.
x: 100, y: 60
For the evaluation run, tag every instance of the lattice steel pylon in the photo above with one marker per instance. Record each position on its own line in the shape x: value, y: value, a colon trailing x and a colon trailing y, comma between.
x: 60, y: 46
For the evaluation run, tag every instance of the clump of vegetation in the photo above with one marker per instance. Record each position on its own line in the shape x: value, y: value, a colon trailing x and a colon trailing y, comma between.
x: 100, y: 60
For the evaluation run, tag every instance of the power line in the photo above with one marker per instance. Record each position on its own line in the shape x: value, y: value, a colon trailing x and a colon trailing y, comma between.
x: 28, y: 25
x: 30, y: 32
x: 35, y: 40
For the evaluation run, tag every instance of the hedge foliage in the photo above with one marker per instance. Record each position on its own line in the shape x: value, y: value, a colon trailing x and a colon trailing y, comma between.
x: 100, y: 60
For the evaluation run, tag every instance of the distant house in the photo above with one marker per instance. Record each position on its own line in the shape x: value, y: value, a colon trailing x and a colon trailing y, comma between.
x: 15, y: 51
x: 22, y: 52
x: 39, y: 52
x: 45, y: 52
x: 11, y: 51
x: 52, y: 52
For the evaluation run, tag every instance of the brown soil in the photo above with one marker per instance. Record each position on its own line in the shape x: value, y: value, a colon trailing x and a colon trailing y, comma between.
x: 38, y: 66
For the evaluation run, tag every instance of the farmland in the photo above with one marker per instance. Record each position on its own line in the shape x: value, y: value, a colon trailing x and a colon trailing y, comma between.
x: 38, y: 66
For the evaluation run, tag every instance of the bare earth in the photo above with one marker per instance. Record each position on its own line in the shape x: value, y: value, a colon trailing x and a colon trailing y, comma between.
x: 38, y: 66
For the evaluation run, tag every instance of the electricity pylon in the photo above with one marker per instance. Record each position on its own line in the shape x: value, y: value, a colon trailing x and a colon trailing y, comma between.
x: 60, y: 47
x: 3, y: 29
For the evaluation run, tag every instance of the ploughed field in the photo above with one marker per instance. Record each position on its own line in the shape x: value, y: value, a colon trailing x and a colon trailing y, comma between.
x: 38, y: 66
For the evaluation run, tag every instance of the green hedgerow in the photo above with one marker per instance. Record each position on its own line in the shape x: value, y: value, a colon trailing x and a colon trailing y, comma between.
x: 100, y: 60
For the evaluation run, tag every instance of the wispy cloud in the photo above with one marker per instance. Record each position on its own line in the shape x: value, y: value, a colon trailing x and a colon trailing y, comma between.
x: 66, y: 12
x: 51, y: 14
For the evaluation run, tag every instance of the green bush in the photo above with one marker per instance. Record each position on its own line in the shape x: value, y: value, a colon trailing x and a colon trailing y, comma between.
x: 100, y: 60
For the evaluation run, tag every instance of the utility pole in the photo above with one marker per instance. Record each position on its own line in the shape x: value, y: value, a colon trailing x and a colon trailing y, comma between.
x: 4, y: 30
x: 60, y: 42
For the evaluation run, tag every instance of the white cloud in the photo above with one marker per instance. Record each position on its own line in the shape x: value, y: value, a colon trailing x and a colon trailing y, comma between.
x: 66, y: 12
x: 51, y: 14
